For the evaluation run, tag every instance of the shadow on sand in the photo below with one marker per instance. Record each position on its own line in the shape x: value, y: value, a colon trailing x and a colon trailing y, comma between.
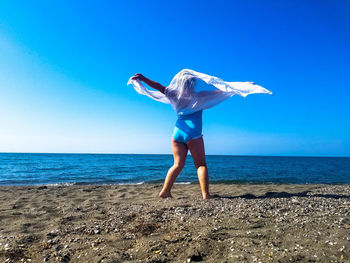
x: 282, y: 195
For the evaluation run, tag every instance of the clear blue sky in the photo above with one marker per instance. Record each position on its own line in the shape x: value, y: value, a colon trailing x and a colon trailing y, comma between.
x: 64, y: 66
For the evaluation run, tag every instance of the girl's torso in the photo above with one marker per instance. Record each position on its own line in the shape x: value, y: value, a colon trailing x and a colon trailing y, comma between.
x: 188, y: 127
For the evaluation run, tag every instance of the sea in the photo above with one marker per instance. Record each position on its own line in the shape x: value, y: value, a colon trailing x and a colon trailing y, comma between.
x: 52, y: 169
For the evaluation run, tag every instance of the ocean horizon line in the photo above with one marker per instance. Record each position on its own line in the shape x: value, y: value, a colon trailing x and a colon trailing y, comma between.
x: 235, y: 155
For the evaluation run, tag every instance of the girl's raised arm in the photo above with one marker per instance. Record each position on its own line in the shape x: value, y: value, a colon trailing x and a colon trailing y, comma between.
x: 150, y: 82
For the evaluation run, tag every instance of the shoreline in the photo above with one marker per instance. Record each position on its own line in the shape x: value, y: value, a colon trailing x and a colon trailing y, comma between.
x: 151, y: 183
x: 118, y: 223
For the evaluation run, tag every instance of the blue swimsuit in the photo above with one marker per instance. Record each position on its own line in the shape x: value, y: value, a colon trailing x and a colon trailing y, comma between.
x: 188, y: 127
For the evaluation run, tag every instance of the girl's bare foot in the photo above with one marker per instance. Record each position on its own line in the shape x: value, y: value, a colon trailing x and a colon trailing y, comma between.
x: 206, y: 197
x: 164, y: 194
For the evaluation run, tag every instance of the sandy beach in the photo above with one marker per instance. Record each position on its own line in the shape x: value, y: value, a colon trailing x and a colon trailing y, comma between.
x: 129, y: 223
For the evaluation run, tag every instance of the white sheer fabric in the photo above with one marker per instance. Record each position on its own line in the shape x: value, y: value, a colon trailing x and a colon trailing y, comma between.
x: 191, y: 91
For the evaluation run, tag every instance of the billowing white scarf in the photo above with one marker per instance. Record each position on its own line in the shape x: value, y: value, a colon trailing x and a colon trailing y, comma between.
x: 191, y: 91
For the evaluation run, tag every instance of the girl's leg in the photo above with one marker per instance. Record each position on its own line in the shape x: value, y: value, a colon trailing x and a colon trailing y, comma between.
x: 196, y: 147
x: 180, y: 152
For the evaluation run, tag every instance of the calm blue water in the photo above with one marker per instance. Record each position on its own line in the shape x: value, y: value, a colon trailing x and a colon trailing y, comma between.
x: 29, y: 168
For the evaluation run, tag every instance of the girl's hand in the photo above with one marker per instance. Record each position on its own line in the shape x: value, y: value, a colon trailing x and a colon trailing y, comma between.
x: 138, y: 76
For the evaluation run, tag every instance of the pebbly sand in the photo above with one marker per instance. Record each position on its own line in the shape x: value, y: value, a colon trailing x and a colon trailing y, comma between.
x: 129, y: 223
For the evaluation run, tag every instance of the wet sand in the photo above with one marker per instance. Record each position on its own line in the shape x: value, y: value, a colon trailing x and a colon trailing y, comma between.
x: 129, y: 223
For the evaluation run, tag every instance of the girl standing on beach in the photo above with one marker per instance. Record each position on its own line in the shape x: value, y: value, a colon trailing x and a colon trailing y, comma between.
x: 189, y: 93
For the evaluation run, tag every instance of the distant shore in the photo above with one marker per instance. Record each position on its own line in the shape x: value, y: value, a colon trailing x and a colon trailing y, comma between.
x: 118, y: 223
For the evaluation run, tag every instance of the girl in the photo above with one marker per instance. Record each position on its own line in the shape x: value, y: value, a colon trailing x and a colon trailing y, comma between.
x: 189, y: 93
